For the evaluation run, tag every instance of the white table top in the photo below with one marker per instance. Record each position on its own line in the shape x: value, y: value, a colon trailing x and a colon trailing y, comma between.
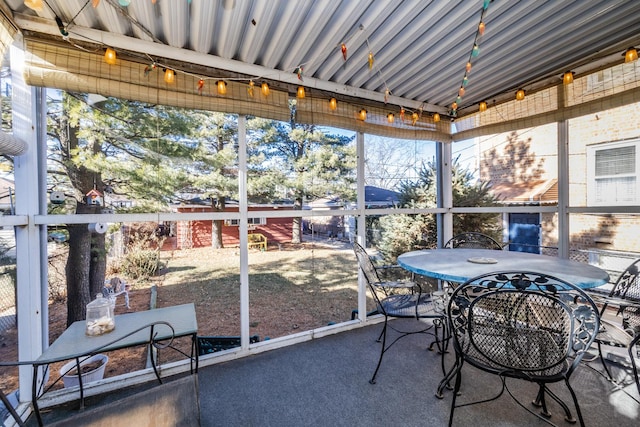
x: 453, y: 265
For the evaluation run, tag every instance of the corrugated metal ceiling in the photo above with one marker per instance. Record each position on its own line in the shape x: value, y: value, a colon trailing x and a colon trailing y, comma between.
x: 420, y: 47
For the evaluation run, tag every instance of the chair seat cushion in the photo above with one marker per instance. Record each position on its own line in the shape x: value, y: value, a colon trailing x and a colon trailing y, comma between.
x: 409, y: 305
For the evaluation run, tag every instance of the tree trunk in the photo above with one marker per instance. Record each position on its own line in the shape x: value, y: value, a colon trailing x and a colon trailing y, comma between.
x: 77, y: 272
x: 216, y: 228
x: 86, y: 266
x: 98, y: 265
x: 296, y: 231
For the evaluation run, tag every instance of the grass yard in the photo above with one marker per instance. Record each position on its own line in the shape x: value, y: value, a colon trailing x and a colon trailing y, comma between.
x: 298, y: 288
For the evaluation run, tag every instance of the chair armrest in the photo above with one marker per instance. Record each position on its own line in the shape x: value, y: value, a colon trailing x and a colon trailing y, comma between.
x: 622, y: 303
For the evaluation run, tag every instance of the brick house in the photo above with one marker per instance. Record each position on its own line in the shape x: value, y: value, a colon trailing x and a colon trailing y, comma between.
x: 604, y: 166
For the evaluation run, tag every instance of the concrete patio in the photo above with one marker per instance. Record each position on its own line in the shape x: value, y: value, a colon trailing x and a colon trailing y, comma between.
x: 325, y: 382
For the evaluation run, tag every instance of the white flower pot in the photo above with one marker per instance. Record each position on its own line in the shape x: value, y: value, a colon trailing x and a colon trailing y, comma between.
x: 71, y: 380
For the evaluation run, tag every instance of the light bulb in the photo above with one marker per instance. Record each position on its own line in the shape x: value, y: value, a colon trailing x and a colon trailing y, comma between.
x: 483, y: 106
x: 300, y: 93
x: 333, y: 104
x: 265, y: 89
x: 520, y: 94
x: 222, y: 87
x: 390, y: 117
x: 169, y: 76
x: 34, y: 4
x: 631, y: 55
x: 110, y: 56
x: 567, y: 78
x: 363, y: 114
x: 436, y: 117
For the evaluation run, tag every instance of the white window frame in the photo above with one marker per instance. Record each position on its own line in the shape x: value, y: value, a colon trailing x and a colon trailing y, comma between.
x: 251, y: 221
x: 592, y: 196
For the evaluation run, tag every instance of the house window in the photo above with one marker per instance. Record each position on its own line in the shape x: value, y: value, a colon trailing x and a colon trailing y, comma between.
x: 250, y: 221
x: 613, y: 174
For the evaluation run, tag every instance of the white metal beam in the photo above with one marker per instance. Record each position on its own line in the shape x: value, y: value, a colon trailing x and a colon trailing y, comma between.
x: 243, y: 230
x: 29, y: 125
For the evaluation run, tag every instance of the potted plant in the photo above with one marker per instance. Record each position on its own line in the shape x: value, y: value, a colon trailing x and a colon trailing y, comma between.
x: 91, y: 369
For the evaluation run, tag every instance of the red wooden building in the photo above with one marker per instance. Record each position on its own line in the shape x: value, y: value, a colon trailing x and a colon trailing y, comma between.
x: 197, y: 233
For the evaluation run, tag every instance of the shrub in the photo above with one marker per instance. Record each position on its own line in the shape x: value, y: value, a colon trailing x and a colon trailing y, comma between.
x: 141, y: 258
x: 140, y: 261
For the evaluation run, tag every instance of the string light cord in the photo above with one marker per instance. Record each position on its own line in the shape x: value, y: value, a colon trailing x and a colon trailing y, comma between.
x: 298, y: 69
x: 72, y: 22
x: 474, y: 53
x: 122, y: 11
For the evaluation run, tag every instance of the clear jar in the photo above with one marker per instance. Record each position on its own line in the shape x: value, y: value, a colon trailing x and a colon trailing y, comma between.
x: 100, y: 317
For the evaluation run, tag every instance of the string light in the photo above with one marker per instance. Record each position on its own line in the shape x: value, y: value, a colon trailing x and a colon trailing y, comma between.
x: 520, y: 94
x: 265, y: 89
x: 110, y: 56
x: 222, y: 87
x: 475, y: 51
x: 567, y: 78
x: 483, y: 106
x: 169, y: 75
x: 631, y: 55
x: 34, y: 4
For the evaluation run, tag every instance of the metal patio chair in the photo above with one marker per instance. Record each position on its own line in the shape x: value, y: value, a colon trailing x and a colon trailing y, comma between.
x: 624, y: 331
x: 472, y: 240
x: 522, y: 325
x: 415, y: 305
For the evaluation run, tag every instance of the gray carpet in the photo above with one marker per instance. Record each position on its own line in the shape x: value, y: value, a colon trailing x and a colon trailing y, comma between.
x: 325, y: 383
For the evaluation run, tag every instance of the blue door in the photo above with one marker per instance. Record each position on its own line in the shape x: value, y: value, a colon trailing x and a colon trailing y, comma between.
x: 524, y: 232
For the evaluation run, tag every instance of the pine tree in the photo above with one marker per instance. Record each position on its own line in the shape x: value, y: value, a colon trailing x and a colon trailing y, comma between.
x: 403, y: 233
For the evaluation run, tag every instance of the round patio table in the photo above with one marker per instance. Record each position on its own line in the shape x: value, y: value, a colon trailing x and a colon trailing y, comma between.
x: 460, y: 265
